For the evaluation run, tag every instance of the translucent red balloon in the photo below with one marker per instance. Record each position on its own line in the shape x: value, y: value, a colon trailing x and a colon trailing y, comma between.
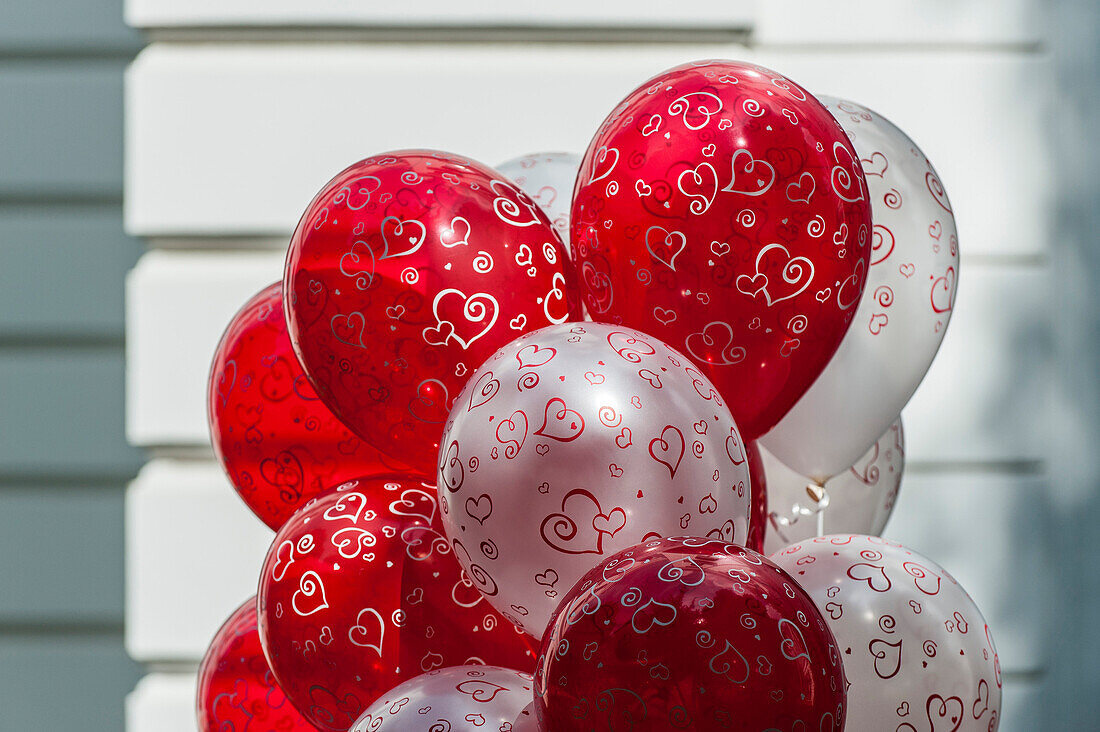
x: 236, y: 690
x: 406, y: 272
x: 758, y: 493
x: 278, y: 443
x: 689, y: 634
x: 721, y: 208
x: 360, y: 591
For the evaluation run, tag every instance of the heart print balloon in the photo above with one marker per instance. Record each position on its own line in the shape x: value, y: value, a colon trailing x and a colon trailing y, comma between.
x: 899, y: 324
x: 576, y: 441
x: 360, y: 591
x: 689, y: 633
x: 278, y: 443
x: 917, y: 652
x: 406, y: 272
x: 721, y: 208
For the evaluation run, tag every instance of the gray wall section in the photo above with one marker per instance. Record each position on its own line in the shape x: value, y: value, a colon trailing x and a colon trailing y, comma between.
x: 64, y: 460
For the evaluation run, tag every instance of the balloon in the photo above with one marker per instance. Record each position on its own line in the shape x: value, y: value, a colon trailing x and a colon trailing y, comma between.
x: 360, y: 592
x: 899, y: 325
x: 721, y: 208
x: 406, y: 272
x: 917, y: 652
x: 236, y: 689
x: 453, y: 699
x: 758, y: 487
x: 574, y: 442
x: 858, y: 501
x: 279, y: 445
x: 547, y: 178
x: 689, y: 633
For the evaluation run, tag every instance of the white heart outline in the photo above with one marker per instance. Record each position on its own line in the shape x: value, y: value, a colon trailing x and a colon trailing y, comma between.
x: 748, y: 170
x: 470, y: 308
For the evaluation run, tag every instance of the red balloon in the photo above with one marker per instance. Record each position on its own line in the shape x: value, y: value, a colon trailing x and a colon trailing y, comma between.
x: 758, y: 492
x: 278, y: 443
x: 689, y: 633
x: 236, y: 690
x: 360, y: 591
x: 722, y: 209
x: 406, y: 272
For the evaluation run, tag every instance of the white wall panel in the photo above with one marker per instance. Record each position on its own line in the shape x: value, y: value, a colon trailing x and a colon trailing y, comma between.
x: 193, y: 554
x: 162, y: 702
x: 177, y: 306
x: 251, y: 132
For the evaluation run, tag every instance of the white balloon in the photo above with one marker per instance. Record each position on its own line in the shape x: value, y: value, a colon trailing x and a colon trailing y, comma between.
x: 454, y: 699
x: 917, y: 652
x: 577, y: 441
x: 548, y: 178
x: 857, y: 501
x: 902, y: 317
x: 527, y: 721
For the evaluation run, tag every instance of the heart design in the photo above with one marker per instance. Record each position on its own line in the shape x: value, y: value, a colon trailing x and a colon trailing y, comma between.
x: 623, y: 439
x: 983, y: 699
x: 415, y: 597
x: 796, y: 273
x: 349, y: 507
x: 935, y: 230
x: 652, y: 614
x: 642, y: 188
x: 846, y: 176
x: 882, y: 244
x: 668, y: 449
x: 484, y: 389
x: 835, y: 610
x: 451, y: 472
x: 875, y: 165
x: 651, y: 377
x: 358, y: 263
x: 458, y: 233
x: 395, y: 312
x: 348, y: 329
x: 937, y: 191
x: 598, y: 292
x: 793, y: 645
x: 943, y: 291
x: 476, y: 313
x: 714, y: 345
x: 415, y: 503
x: 512, y: 433
x: 284, y: 557
x: 480, y: 690
x: 801, y: 190
x: 532, y: 356
x: 226, y: 381
x: 907, y: 270
x: 430, y: 661
x: 730, y: 663
x: 852, y: 288
x: 309, y: 598
x: 719, y: 248
x: 615, y: 470
x: 878, y: 322
x: 285, y: 472
x: 593, y: 378
x: 735, y: 449
x: 707, y: 504
x: 887, y: 657
x: 664, y: 245
x: 610, y: 523
x: 700, y: 184
x: 664, y: 316
x: 560, y: 422
x: 549, y: 578
x: 653, y: 125
x: 401, y: 238
x: 903, y: 709
x: 696, y: 112
x: 757, y: 176
x: 518, y: 323
x: 872, y: 574
x: 431, y: 402
x: 603, y: 163
x: 573, y: 531
x: 944, y: 715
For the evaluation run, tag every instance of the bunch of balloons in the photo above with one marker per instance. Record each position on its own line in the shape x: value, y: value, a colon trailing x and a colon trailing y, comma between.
x: 525, y: 434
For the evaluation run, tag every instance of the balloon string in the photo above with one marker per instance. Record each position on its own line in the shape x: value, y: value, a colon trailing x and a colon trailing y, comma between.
x: 821, y: 522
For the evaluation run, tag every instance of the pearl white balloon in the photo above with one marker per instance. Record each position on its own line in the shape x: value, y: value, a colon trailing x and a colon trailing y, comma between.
x: 902, y: 317
x: 917, y: 652
x: 857, y: 501
x: 455, y: 699
x: 527, y: 721
x: 548, y: 178
x: 577, y: 441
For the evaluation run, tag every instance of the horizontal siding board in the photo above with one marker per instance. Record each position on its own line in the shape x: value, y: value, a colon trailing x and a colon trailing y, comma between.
x: 79, y: 256
x: 72, y: 681
x: 63, y: 555
x: 969, y: 523
x: 442, y: 13
x: 63, y: 413
x: 178, y: 305
x: 193, y: 108
x: 67, y: 123
x: 65, y: 27
x: 187, y: 532
x: 162, y: 702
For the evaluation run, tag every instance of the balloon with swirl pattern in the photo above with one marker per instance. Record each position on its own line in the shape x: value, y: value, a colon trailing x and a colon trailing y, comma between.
x: 689, y: 633
x: 917, y: 652
x: 360, y: 591
x: 454, y: 699
x: 407, y: 271
x: 573, y: 442
x: 721, y: 208
x: 236, y: 690
x: 898, y: 327
x: 278, y: 443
